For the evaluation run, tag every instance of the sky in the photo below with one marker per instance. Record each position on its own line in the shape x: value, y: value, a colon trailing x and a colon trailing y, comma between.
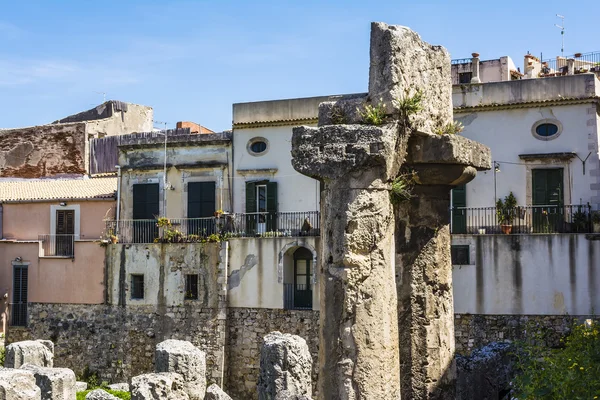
x: 191, y: 60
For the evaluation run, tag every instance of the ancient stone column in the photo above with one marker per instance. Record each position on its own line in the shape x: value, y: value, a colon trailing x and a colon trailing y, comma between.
x: 54, y: 383
x: 35, y: 352
x: 285, y: 367
x: 18, y: 384
x: 184, y: 358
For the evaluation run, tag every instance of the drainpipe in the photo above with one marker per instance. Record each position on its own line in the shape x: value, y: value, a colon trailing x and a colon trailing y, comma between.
x: 475, y: 69
x: 1, y: 221
x: 118, y: 167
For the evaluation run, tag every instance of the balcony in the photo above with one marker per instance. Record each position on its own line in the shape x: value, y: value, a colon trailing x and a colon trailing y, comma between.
x: 526, y: 220
x: 182, y: 230
x: 60, y: 246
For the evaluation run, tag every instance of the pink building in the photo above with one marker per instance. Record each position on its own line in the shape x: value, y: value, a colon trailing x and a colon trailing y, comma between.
x: 49, y: 249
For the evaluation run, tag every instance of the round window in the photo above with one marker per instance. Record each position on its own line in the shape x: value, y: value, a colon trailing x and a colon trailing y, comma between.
x: 258, y: 146
x: 546, y: 130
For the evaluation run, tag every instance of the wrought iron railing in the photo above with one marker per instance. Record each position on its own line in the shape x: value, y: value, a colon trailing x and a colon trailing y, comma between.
x: 461, y: 61
x: 525, y: 220
x: 276, y: 224
x: 583, y: 63
x: 297, y: 297
x: 57, y: 245
x: 18, y: 314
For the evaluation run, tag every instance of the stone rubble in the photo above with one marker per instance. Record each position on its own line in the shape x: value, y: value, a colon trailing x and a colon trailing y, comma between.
x: 99, y: 394
x: 184, y: 358
x: 158, y: 386
x: 285, y: 366
x: 35, y: 352
x: 119, y: 386
x: 18, y: 384
x: 81, y: 386
x: 54, y: 383
x: 214, y: 392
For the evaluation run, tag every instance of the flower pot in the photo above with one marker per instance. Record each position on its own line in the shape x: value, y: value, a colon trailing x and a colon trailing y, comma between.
x: 482, y: 231
x: 596, y: 227
x: 506, y: 229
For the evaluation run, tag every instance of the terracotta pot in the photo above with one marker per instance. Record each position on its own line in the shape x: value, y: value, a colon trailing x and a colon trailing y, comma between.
x: 475, y: 54
x: 577, y: 55
x: 506, y: 229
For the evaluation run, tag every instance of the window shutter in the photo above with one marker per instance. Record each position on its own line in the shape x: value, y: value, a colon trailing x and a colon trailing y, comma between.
x: 272, y: 206
x: 250, y: 207
x: 60, y: 222
x: 539, y: 187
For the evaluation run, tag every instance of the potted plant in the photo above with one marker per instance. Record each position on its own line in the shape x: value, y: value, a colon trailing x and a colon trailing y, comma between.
x: 506, y: 210
x: 218, y: 213
x: 596, y: 221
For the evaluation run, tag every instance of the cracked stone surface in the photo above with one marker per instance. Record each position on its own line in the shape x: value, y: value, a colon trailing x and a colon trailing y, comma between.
x: 285, y: 367
x: 365, y: 241
x: 35, y: 352
x: 158, y: 386
x: 54, y: 383
x: 184, y: 358
x: 17, y: 384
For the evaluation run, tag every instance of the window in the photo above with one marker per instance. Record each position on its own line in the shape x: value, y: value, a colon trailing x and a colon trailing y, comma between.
x: 18, y: 308
x: 460, y: 254
x: 546, y: 129
x: 137, y: 286
x: 191, y: 287
x: 261, y: 207
x: 201, y: 206
x: 464, y: 77
x: 145, y: 209
x: 258, y: 146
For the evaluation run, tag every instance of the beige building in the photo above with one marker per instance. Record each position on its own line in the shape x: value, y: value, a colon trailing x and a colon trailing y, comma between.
x: 50, y: 232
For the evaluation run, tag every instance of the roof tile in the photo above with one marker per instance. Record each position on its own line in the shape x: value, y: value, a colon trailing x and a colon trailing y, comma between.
x: 57, y: 189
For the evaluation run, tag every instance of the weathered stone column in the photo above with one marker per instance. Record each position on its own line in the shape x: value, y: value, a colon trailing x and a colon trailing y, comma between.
x: 358, y: 351
x: 424, y: 267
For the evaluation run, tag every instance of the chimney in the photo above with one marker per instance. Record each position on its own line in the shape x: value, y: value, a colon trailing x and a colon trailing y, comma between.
x: 475, y: 69
x: 571, y: 66
x: 194, y: 127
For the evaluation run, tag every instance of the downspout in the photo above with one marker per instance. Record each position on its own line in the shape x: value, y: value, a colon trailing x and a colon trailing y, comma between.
x: 1, y: 222
x: 118, y: 167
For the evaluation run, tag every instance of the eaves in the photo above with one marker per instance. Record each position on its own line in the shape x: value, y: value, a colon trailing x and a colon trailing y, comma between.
x: 283, y: 122
x: 527, y: 104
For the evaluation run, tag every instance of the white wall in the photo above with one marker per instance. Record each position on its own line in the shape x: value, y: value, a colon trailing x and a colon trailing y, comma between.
x: 528, y: 274
x: 296, y: 192
x: 256, y: 270
x: 509, y: 133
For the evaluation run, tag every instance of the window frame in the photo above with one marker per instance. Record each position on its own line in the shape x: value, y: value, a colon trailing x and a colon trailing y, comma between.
x: 458, y: 249
x: 255, y: 140
x: 545, y: 121
x: 135, y: 288
x: 189, y: 287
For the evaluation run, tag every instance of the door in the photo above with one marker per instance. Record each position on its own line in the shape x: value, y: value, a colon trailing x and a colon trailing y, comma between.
x: 65, y: 231
x: 459, y: 213
x: 201, y: 204
x: 547, y: 199
x: 19, y: 297
x: 261, y: 207
x: 145, y: 210
x: 302, y: 274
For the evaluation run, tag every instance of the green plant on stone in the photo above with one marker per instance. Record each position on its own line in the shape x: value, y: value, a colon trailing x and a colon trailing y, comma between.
x: 402, y: 187
x: 451, y: 128
x: 409, y: 105
x: 337, y: 115
x: 372, y: 114
x: 571, y: 371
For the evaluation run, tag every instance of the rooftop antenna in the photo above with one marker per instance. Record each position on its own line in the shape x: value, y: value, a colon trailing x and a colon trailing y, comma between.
x: 562, y: 34
x: 103, y: 96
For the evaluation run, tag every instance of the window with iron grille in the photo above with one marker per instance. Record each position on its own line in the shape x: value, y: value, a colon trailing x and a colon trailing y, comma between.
x: 19, y: 305
x: 464, y: 77
x: 191, y: 287
x: 460, y: 254
x: 137, y: 286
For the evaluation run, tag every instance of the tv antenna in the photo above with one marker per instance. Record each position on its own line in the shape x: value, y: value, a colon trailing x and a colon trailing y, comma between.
x: 562, y: 34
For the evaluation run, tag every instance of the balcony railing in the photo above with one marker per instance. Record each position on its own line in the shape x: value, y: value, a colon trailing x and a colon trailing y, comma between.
x: 527, y: 220
x: 584, y: 63
x: 297, y: 297
x: 264, y: 224
x: 57, y: 245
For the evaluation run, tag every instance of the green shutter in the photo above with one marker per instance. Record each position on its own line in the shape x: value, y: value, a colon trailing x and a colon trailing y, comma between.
x: 459, y: 217
x: 272, y: 206
x: 250, y: 207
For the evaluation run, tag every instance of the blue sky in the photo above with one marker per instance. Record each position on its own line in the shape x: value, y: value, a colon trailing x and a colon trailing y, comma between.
x: 191, y: 60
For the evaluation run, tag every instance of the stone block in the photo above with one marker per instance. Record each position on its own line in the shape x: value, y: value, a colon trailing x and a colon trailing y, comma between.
x: 401, y: 64
x: 285, y: 366
x: 17, y: 384
x: 35, y: 352
x: 99, y: 394
x: 214, y: 392
x: 119, y: 386
x: 183, y: 358
x: 81, y: 386
x: 158, y: 386
x: 54, y: 383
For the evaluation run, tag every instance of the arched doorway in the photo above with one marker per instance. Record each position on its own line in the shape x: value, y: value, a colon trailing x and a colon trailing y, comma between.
x: 298, y: 289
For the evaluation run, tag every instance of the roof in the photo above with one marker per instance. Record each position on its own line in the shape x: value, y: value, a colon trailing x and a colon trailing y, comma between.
x: 36, y: 190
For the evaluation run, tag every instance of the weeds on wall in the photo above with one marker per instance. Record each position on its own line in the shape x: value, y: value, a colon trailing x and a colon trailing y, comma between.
x: 568, y: 373
x: 337, y: 115
x: 402, y: 187
x: 372, y: 114
x: 452, y: 128
x: 409, y: 105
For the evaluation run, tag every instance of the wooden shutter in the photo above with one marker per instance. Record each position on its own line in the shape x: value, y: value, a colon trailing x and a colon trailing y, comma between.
x: 19, y: 306
x: 65, y: 222
x: 145, y: 201
x: 250, y: 207
x: 459, y: 217
x: 201, y: 199
x: 272, y: 206
x: 547, y: 186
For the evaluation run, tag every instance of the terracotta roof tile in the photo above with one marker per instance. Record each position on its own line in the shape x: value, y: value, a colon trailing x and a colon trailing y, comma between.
x: 57, y: 189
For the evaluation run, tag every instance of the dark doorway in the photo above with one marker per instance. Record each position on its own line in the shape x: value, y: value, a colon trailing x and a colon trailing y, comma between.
x: 547, y: 199
x: 145, y: 211
x: 302, y: 278
x: 201, y: 204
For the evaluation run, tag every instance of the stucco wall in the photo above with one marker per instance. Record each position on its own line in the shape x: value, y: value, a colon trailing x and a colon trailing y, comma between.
x: 296, y: 192
x: 257, y: 270
x: 137, y: 118
x: 164, y: 267
x: 509, y: 133
x: 528, y: 274
x: 25, y: 221
x: 42, y: 151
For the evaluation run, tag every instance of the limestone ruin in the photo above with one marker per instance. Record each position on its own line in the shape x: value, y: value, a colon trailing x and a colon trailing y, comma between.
x: 34, y: 352
x: 185, y: 359
x: 379, y: 307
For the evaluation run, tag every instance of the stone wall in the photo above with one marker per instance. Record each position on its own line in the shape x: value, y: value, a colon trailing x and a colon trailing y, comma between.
x: 473, y: 331
x: 246, y: 329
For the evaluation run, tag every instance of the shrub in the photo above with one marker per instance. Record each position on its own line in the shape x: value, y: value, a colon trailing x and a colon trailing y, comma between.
x: 409, y: 105
x: 568, y: 373
x: 373, y: 114
x: 451, y: 128
x: 402, y: 188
